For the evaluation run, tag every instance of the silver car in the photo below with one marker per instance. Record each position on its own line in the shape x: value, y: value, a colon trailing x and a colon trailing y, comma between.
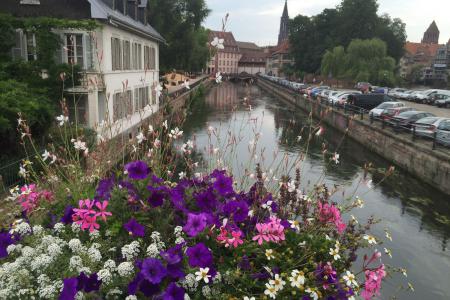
x: 443, y: 132
x: 426, y: 127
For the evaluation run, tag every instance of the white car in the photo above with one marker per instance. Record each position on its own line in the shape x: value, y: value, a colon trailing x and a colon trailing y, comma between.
x: 376, y: 112
x: 339, y: 95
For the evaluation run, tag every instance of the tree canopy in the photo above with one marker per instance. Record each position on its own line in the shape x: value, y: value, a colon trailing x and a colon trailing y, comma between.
x: 364, y: 60
x: 311, y: 37
x: 179, y: 22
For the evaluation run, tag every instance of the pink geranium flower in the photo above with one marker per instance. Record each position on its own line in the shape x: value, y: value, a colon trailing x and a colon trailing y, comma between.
x: 272, y: 231
x: 331, y: 214
x: 102, y: 207
x: 372, y: 285
x: 87, y: 212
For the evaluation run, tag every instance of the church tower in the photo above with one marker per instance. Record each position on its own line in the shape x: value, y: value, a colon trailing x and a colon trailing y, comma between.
x: 431, y: 36
x: 284, y: 25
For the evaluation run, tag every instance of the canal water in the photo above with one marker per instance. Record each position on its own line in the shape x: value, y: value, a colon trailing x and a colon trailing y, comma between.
x: 240, y: 125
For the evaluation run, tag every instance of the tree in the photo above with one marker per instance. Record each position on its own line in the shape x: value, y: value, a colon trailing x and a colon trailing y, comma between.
x: 179, y: 22
x: 364, y: 60
x: 312, y: 37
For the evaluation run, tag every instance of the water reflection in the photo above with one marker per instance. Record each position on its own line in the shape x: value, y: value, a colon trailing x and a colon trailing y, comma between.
x: 417, y: 215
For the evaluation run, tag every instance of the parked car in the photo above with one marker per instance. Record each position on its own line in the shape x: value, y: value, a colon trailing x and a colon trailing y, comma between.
x: 369, y: 101
x: 407, y: 118
x: 389, y: 113
x: 443, y: 102
x: 404, y: 95
x: 394, y: 92
x: 376, y: 112
x: 413, y: 95
x: 427, y: 126
x: 443, y: 132
x: 363, y: 86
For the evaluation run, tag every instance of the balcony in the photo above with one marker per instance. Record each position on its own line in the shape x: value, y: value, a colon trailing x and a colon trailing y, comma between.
x: 89, y: 81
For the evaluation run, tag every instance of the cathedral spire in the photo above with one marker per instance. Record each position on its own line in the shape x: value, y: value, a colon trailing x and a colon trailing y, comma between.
x: 284, y: 25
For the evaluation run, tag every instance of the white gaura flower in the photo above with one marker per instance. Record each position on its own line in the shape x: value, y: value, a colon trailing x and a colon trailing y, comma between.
x: 335, y: 158
x: 165, y: 125
x: 404, y: 272
x: 388, y: 235
x: 320, y: 131
x: 297, y: 279
x: 335, y: 253
x: 388, y: 252
x: 79, y: 145
x: 369, y: 184
x: 312, y: 293
x: 140, y: 138
x: 23, y: 172
x: 354, y: 219
x: 175, y: 133
x: 270, y: 291
x: 359, y: 202
x: 370, y: 239
x: 277, y: 282
x: 150, y: 129
x: 19, y: 121
x: 202, y: 274
x: 45, y: 155
x: 182, y: 175
x: 350, y: 279
x: 269, y: 254
x: 157, y: 143
x: 61, y: 120
x: 158, y: 90
x: 186, y: 84
x: 249, y: 298
x: 218, y: 43
x: 291, y: 186
x: 295, y: 224
x: 218, y: 77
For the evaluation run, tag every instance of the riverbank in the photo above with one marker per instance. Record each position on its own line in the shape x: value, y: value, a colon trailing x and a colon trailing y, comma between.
x: 430, y: 166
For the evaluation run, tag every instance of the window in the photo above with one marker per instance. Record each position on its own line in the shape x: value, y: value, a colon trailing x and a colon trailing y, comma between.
x: 137, y: 56
x: 75, y: 50
x: 141, y: 98
x: 116, y: 54
x: 122, y: 105
x: 149, y: 58
x: 126, y: 55
x: 31, y: 46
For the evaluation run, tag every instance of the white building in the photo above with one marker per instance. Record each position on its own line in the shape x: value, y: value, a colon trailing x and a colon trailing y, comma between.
x: 120, y: 59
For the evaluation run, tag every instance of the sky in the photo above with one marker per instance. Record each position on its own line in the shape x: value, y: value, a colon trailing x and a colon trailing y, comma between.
x: 259, y: 20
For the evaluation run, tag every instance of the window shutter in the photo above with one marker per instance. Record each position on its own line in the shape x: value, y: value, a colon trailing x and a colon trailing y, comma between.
x: 88, y: 51
x: 17, y: 51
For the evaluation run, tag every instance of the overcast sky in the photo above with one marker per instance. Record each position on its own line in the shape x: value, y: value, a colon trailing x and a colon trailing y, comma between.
x: 259, y: 20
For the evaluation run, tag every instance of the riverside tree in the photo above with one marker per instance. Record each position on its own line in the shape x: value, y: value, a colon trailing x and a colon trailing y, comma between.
x: 179, y: 22
x: 311, y: 37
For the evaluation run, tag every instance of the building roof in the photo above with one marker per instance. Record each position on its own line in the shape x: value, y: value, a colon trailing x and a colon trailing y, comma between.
x: 253, y: 57
x: 285, y: 11
x: 433, y: 27
x: 422, y: 48
x: 248, y: 45
x: 283, y: 48
x: 229, y: 42
x: 81, y: 9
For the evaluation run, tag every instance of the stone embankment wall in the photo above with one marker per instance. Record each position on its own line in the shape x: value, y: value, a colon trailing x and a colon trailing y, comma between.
x: 421, y: 161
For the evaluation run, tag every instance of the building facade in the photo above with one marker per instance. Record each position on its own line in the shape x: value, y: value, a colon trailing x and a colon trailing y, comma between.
x: 253, y: 59
x: 417, y: 55
x: 224, y: 60
x: 119, y: 59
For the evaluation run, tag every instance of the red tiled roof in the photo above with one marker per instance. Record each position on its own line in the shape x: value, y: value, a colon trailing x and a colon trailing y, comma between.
x: 283, y: 48
x: 426, y: 49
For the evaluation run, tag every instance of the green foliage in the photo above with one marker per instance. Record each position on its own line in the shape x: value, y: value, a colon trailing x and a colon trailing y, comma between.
x: 312, y: 37
x: 179, y: 22
x: 18, y: 97
x: 364, y: 60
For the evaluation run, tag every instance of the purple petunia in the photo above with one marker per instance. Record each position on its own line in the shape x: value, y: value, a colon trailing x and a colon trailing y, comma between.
x: 153, y: 270
x: 70, y: 289
x: 206, y: 200
x: 88, y: 283
x: 67, y: 217
x: 238, y: 209
x: 195, y: 224
x: 173, y: 255
x: 173, y: 292
x: 5, y: 240
x: 134, y: 228
x: 157, y: 196
x: 223, y: 184
x: 199, y: 256
x: 104, y: 188
x: 137, y: 170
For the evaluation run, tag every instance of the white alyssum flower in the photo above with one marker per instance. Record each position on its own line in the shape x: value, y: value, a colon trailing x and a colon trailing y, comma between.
x: 59, y: 228
x: 125, y: 269
x: 131, y: 297
x: 206, y: 291
x: 76, y: 246
x: 94, y: 254
x: 110, y: 265
x: 130, y: 251
x: 202, y: 274
x: 113, y: 293
x: 95, y: 234
x: 152, y: 250
x: 76, y: 228
x: 54, y: 250
x: 189, y: 283
x: 41, y: 262
x: 22, y: 228
x: 105, y: 276
x: 350, y: 279
x: 75, y: 263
